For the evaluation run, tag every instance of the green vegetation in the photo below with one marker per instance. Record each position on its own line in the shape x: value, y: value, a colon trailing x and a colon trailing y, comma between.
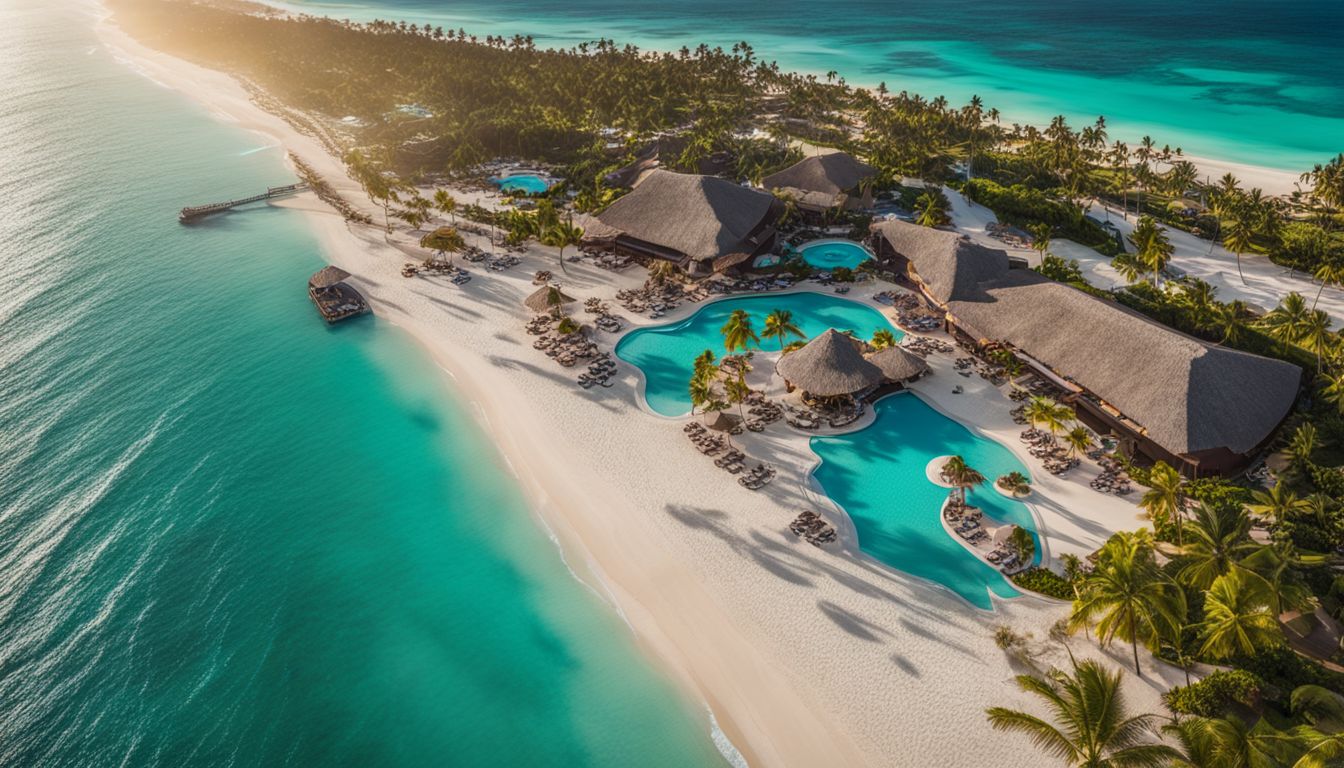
x: 1215, y: 694
x: 1044, y: 581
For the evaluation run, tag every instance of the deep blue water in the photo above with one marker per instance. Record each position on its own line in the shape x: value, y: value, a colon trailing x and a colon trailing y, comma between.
x: 1240, y: 80
x: 231, y: 535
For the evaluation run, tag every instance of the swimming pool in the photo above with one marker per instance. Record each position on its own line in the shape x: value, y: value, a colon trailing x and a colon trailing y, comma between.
x: 830, y: 254
x: 665, y: 353
x: 529, y: 183
x: 877, y: 475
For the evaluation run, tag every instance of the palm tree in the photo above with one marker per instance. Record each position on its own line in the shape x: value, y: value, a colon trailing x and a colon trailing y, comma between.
x: 962, y: 476
x: 1237, y: 616
x: 882, y: 338
x: 1275, y: 566
x: 737, y: 391
x: 1301, y: 447
x: 1316, y: 335
x: 446, y: 203
x: 701, y: 389
x: 1332, y: 390
x: 1227, y: 320
x: 1239, y: 231
x: 1287, y: 321
x: 561, y: 235
x: 779, y: 325
x: 1078, y: 439
x: 1277, y: 504
x: 1152, y: 247
x: 1329, y: 273
x: 1092, y: 727
x: 931, y: 209
x: 1165, y: 497
x: 737, y: 332
x: 1219, y: 538
x: 1228, y: 742
x: 1040, y: 237
x: 1134, y: 599
x: 444, y: 240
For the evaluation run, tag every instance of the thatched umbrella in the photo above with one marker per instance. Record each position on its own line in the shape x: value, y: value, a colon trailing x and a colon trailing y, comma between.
x: 829, y: 366
x: 725, y: 422
x: 327, y: 277
x: 542, y: 300
x: 899, y: 364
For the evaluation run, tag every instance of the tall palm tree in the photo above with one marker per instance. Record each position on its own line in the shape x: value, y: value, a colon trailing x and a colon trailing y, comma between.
x: 737, y: 391
x: 1078, y: 439
x: 444, y: 240
x: 1239, y: 230
x: 1277, y: 504
x: 1329, y: 273
x: 1165, y: 497
x: 1237, y: 616
x: 1316, y: 335
x: 446, y: 203
x: 1275, y: 565
x: 931, y: 209
x: 1133, y: 598
x: 1153, y: 248
x: 961, y: 475
x: 1092, y: 727
x: 1227, y: 320
x: 779, y: 325
x: 737, y: 331
x: 1287, y: 321
x: 883, y: 338
x: 561, y: 235
x: 1219, y: 538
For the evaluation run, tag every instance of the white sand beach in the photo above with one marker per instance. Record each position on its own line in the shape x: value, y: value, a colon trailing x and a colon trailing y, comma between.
x: 805, y: 656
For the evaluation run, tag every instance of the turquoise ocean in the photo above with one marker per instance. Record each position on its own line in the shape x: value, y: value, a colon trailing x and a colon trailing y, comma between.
x: 231, y: 535
x: 1241, y: 80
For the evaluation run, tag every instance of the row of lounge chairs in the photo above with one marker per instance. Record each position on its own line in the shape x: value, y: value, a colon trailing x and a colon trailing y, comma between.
x: 925, y: 346
x: 566, y: 349
x: 813, y: 529
x: 758, y: 477
x: 540, y: 324
x: 600, y: 372
x: 704, y: 442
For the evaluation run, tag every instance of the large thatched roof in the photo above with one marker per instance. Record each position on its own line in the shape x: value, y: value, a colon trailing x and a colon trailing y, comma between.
x: 829, y: 365
x: 951, y: 265
x: 1190, y: 396
x: 831, y: 174
x: 327, y: 276
x: 898, y: 363
x: 703, y: 217
x: 540, y: 299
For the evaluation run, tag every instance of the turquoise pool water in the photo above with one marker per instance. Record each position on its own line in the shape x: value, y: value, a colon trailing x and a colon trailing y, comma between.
x: 878, y: 475
x: 530, y: 183
x: 830, y: 254
x: 665, y: 353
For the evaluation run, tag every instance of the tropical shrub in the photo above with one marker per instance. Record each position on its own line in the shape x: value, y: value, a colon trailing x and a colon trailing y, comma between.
x: 1044, y: 581
x: 1281, y: 670
x: 1212, y: 696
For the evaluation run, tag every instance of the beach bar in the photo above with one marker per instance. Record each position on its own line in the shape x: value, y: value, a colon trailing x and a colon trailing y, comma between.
x: 334, y: 299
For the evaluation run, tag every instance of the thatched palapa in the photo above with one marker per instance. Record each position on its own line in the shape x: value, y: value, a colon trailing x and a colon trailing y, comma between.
x: 540, y: 299
x: 1202, y: 406
x: 327, y: 277
x: 824, y: 181
x: 691, y: 220
x: 828, y: 366
x: 899, y: 364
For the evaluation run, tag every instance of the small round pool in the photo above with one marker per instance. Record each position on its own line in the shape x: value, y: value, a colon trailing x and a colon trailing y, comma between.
x: 830, y: 254
x: 528, y: 183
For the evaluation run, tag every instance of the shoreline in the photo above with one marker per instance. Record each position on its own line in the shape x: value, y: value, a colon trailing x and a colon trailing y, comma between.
x: 1273, y: 180
x: 699, y: 573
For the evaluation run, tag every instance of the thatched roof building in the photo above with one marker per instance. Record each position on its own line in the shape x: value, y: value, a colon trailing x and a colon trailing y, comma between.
x: 1199, y: 406
x: 327, y: 277
x: 690, y: 220
x: 540, y: 299
x: 829, y: 366
x: 899, y: 364
x: 822, y: 182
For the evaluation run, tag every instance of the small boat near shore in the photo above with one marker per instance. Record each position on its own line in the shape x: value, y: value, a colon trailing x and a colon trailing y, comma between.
x: 334, y: 299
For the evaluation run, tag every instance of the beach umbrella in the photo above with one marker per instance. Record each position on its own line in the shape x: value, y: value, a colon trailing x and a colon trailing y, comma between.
x: 829, y: 366
x: 327, y: 277
x: 541, y: 299
x: 899, y: 364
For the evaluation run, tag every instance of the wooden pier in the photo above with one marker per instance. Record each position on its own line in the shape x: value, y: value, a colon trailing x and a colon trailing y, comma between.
x: 193, y: 212
x: 335, y: 300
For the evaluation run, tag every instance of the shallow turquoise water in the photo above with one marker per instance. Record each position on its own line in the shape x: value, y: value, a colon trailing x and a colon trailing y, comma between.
x: 665, y: 353
x: 1241, y: 80
x: 231, y: 535
x: 829, y: 254
x: 878, y: 476
x: 523, y: 182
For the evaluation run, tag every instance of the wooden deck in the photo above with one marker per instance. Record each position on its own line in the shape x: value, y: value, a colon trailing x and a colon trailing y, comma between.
x: 337, y: 303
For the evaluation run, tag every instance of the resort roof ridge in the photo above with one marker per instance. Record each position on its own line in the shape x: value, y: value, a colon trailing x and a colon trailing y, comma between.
x: 831, y: 173
x: 1186, y: 395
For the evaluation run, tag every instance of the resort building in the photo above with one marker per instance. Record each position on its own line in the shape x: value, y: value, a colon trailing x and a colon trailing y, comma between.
x: 834, y: 365
x: 823, y: 183
x: 703, y: 224
x: 1203, y: 408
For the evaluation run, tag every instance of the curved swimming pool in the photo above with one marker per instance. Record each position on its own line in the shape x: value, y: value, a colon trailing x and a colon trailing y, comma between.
x: 877, y: 475
x: 830, y: 254
x: 530, y: 183
x: 665, y: 353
